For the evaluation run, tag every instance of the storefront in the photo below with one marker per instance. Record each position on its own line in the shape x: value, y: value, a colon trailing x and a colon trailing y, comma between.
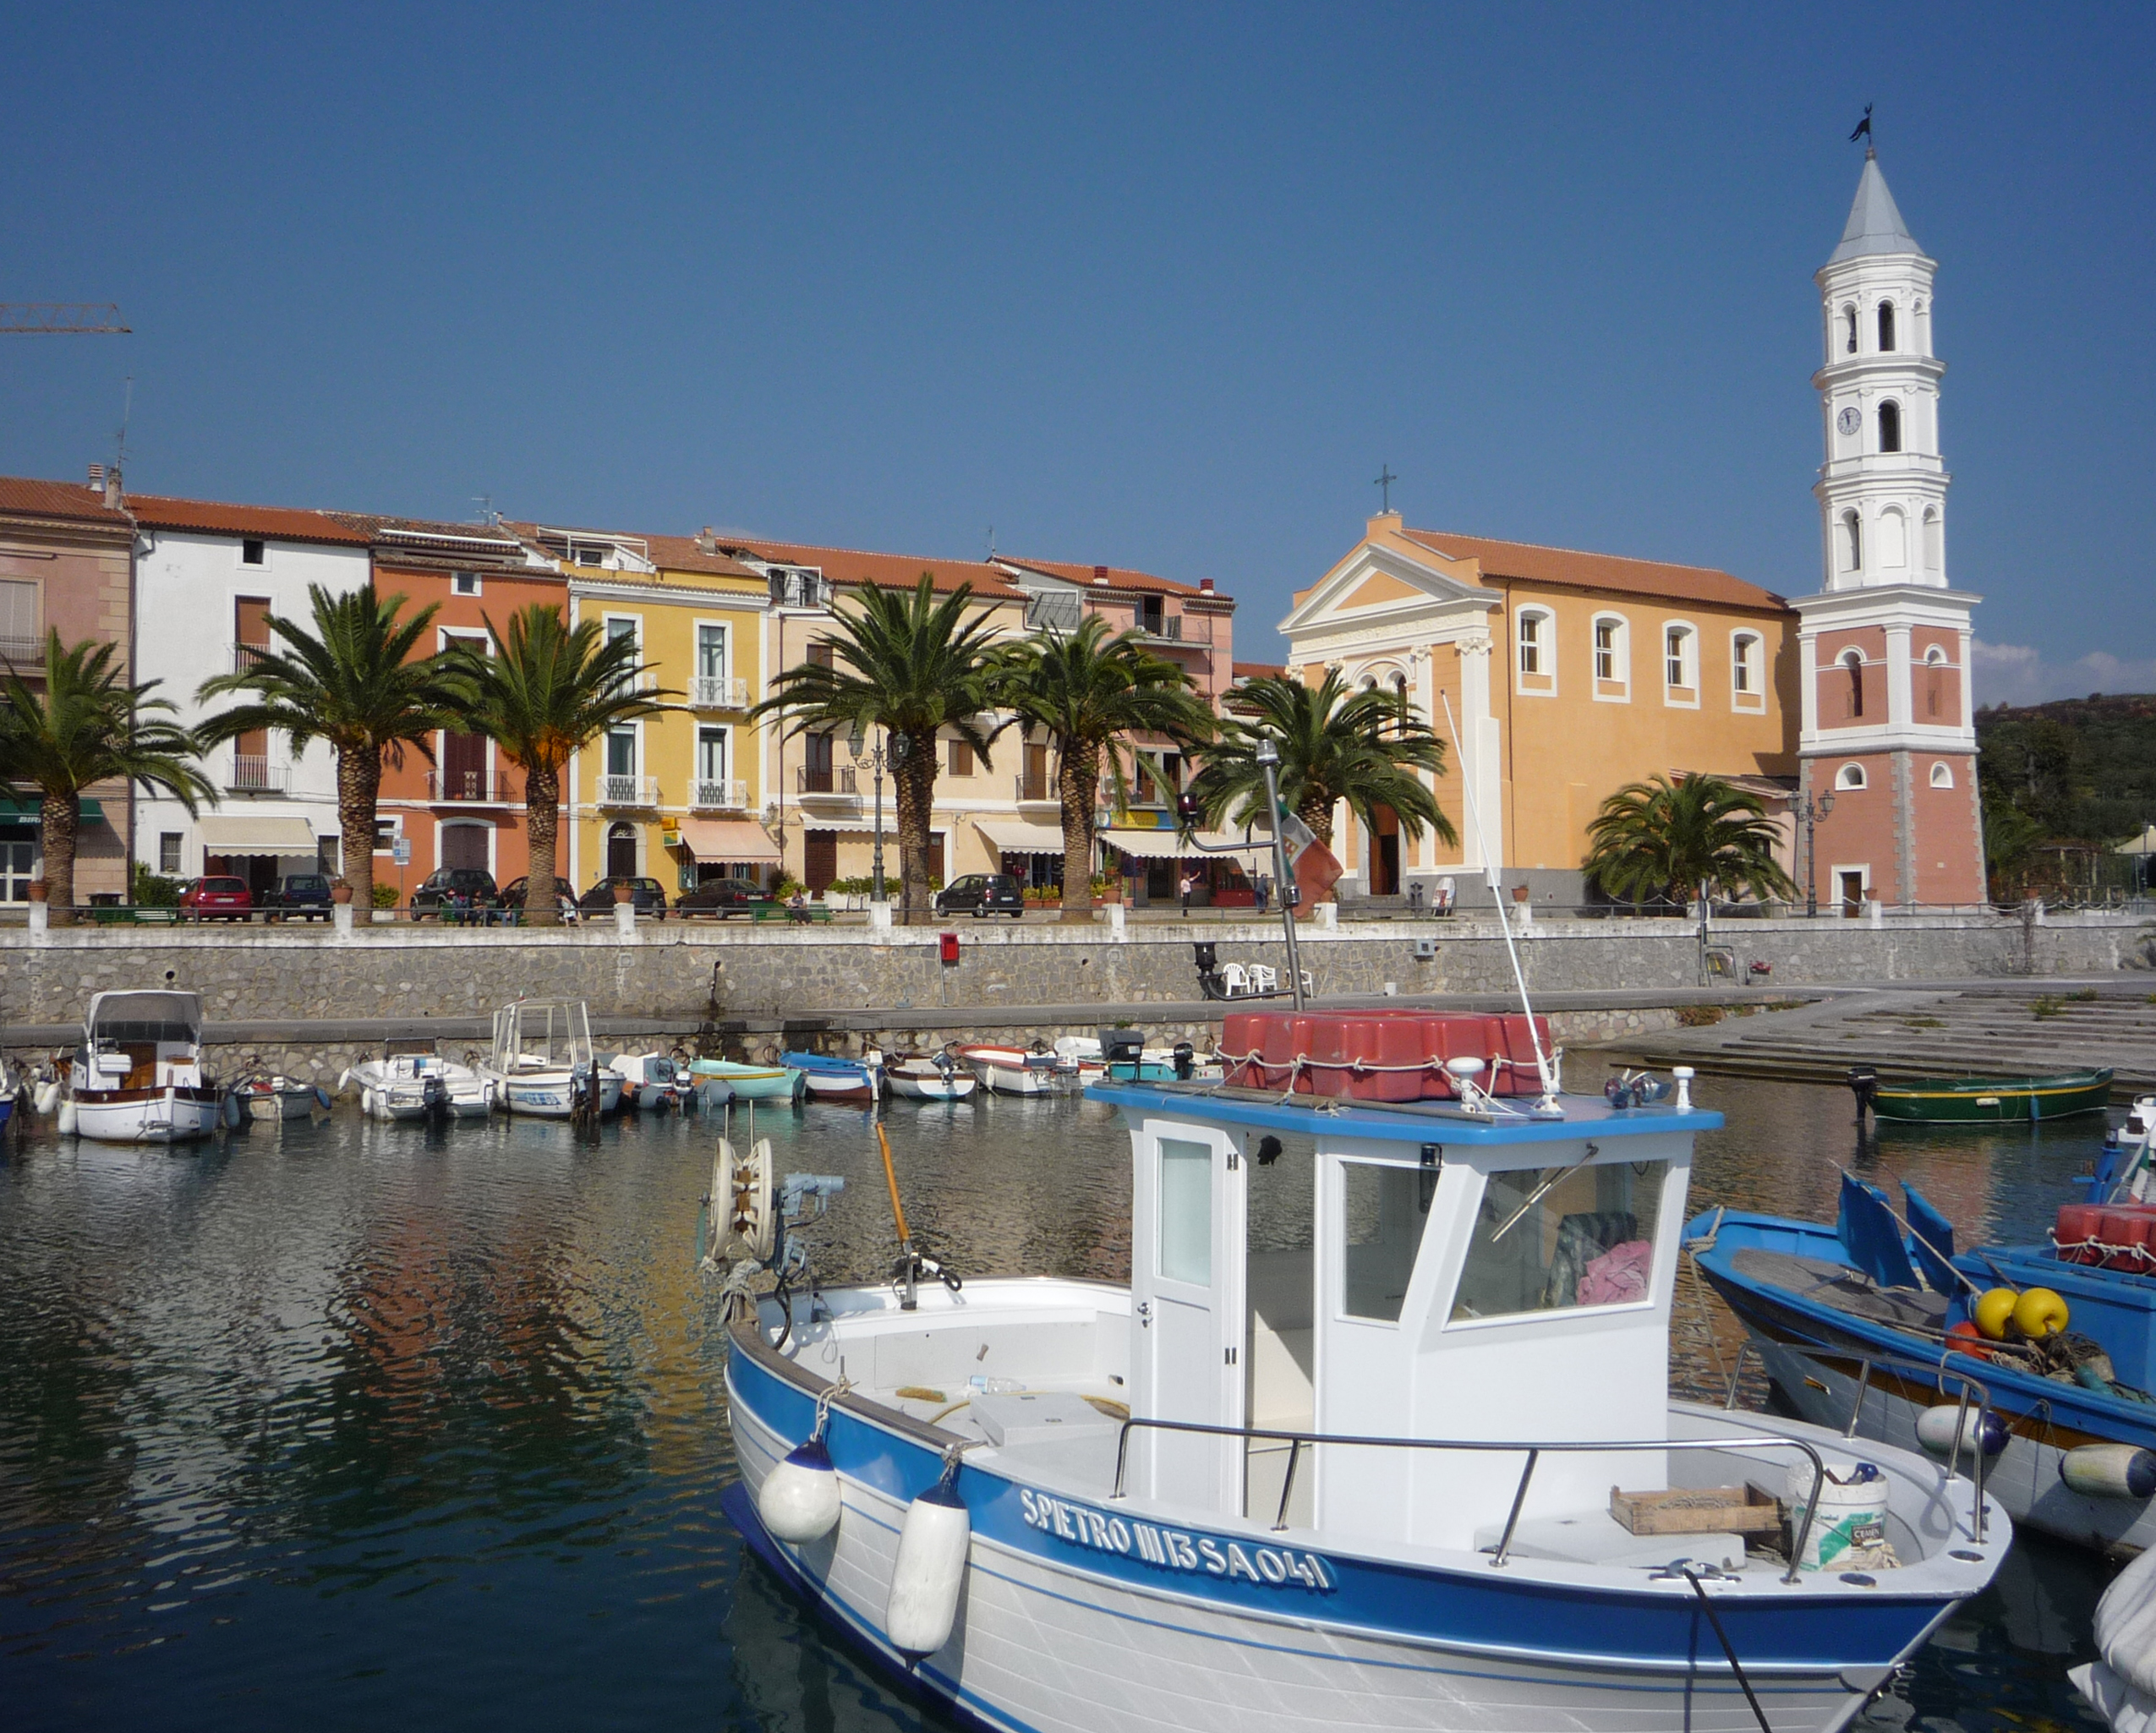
x: 721, y: 848
x: 1033, y: 854
x: 1153, y: 864
x: 258, y: 847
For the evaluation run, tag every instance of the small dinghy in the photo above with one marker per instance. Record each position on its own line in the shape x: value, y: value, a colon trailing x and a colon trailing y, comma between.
x: 1012, y: 1070
x: 930, y: 1077
x: 848, y: 1082
x: 272, y: 1096
x: 412, y: 1081
x: 1979, y: 1101
x: 750, y: 1083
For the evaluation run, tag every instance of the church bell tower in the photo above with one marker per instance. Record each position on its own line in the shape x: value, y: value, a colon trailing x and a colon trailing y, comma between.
x: 1888, y: 725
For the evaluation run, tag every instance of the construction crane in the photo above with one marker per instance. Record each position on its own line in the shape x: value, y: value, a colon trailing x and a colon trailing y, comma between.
x: 58, y: 318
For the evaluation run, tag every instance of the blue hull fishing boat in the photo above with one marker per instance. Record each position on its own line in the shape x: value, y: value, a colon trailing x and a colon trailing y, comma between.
x: 1875, y: 1326
x: 853, y: 1082
x: 1378, y: 1434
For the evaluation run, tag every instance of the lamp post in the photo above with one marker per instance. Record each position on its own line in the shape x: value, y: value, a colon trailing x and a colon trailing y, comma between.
x: 1268, y: 758
x: 1811, y: 811
x: 876, y: 771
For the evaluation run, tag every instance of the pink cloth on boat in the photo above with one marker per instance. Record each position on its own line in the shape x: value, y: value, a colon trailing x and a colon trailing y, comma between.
x: 1622, y: 1273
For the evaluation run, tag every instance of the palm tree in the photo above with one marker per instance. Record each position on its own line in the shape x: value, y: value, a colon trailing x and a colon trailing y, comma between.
x: 1087, y: 691
x: 1362, y: 747
x: 1661, y: 840
x: 548, y: 690
x: 354, y: 682
x: 911, y: 665
x: 85, y: 726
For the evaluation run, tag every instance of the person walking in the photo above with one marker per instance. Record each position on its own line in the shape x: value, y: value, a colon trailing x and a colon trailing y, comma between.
x: 1189, y: 884
x: 1263, y: 887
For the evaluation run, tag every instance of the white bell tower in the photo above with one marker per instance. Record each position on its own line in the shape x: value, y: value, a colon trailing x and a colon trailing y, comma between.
x: 1889, y: 723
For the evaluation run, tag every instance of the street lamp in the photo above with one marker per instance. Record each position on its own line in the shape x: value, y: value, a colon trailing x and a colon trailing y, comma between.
x: 876, y: 766
x: 1811, y: 812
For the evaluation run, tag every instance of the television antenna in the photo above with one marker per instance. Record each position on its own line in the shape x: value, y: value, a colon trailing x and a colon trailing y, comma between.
x: 62, y: 319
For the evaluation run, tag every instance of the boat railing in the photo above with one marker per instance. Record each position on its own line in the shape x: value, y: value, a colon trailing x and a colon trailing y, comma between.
x: 1972, y: 1391
x: 1534, y: 1450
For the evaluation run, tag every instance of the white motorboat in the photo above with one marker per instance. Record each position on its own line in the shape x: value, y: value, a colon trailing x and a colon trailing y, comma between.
x: 930, y: 1077
x: 1379, y: 1435
x: 541, y: 1062
x: 1012, y: 1070
x: 137, y: 1077
x: 2120, y: 1683
x: 412, y: 1081
x: 652, y: 1081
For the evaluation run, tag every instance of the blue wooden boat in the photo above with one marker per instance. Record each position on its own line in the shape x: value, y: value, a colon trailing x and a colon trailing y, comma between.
x: 853, y: 1082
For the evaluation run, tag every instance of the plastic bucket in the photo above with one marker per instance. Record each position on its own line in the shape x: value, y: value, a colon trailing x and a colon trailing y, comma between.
x: 1851, y: 1516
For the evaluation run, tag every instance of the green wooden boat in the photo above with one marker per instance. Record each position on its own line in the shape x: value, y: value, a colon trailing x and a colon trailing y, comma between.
x: 1979, y: 1101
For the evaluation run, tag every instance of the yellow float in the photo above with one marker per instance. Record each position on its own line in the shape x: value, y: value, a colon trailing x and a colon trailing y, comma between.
x: 2039, y: 1313
x: 1993, y: 1311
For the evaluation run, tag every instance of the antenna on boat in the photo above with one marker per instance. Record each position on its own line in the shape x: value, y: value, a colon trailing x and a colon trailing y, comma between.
x: 1549, y: 1101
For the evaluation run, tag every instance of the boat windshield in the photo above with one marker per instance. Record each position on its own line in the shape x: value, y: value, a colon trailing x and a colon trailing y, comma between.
x: 1553, y: 1239
x: 125, y: 1018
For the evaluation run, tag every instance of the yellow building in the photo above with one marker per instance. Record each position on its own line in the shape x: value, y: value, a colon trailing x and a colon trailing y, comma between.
x: 1569, y: 676
x: 674, y: 797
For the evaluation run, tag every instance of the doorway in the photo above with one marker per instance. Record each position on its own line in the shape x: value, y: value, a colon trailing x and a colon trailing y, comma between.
x: 1852, y: 895
x: 465, y: 845
x: 622, y: 852
x: 1281, y: 1335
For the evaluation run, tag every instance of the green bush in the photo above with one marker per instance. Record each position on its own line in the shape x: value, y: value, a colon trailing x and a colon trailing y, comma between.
x: 154, y: 891
x: 385, y: 896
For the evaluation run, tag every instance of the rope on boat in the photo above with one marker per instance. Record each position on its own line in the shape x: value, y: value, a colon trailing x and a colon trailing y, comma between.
x: 1714, y: 1618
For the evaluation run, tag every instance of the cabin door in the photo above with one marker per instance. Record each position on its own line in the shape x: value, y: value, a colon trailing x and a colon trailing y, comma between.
x: 1188, y: 1322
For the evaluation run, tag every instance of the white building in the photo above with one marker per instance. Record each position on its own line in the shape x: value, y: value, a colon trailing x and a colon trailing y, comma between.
x: 207, y: 575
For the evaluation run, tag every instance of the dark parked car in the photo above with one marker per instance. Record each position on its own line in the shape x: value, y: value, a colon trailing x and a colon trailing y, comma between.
x: 649, y: 898
x: 216, y: 899
x: 514, y: 893
x: 723, y: 897
x: 981, y: 894
x: 462, y: 890
x: 305, y: 895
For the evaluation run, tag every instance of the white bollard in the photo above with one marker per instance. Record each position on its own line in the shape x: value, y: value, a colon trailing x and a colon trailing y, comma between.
x: 40, y: 917
x: 341, y: 919
x: 879, y: 917
x: 625, y: 922
x: 1684, y: 1075
x: 1876, y: 912
x: 1328, y: 917
x: 1115, y: 921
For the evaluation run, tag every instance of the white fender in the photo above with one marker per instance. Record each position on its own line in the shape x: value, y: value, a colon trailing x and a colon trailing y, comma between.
x: 799, y: 1500
x: 321, y: 1098
x: 367, y: 1102
x: 2109, y: 1471
x: 343, y: 1080
x: 47, y: 1096
x: 1980, y: 1428
x: 66, y: 1125
x: 929, y: 1572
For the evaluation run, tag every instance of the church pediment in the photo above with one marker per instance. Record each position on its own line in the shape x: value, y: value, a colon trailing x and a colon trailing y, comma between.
x: 1377, y: 584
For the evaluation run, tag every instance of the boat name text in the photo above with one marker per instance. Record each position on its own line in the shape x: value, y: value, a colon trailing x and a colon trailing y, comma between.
x: 1171, y: 1549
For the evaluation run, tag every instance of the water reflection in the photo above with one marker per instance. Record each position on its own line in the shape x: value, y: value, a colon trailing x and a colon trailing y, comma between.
x: 346, y: 1420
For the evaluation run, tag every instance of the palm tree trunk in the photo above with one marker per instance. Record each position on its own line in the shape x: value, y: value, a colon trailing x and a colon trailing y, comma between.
x: 916, y: 780
x: 1077, y: 784
x: 541, y: 830
x: 358, y: 786
x: 1316, y: 812
x: 58, y: 814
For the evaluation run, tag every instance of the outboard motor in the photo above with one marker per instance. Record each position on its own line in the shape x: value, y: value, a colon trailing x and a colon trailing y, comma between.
x: 1208, y: 960
x: 1863, y: 1084
x: 1186, y: 1061
x: 434, y: 1099
x: 1122, y: 1048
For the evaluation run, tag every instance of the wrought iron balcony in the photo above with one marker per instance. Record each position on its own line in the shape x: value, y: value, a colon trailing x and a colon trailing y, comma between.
x: 628, y: 790
x: 718, y: 692
x: 245, y: 658
x: 825, y: 780
x: 461, y: 785
x: 721, y: 795
x: 254, y: 775
x: 1036, y: 787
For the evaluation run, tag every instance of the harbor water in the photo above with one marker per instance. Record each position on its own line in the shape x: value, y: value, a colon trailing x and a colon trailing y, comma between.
x: 344, y: 1424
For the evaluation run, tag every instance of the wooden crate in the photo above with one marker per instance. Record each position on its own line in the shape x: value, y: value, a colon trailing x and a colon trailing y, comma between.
x: 1697, y: 1509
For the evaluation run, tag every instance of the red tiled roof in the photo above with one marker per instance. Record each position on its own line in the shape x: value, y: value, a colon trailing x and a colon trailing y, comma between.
x: 57, y: 499
x: 1598, y: 572
x: 1258, y: 670
x: 1121, y: 577
x: 672, y: 553
x: 278, y: 523
x: 850, y: 565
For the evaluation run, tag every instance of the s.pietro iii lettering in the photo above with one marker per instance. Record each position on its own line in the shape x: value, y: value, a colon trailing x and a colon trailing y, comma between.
x: 1172, y: 1548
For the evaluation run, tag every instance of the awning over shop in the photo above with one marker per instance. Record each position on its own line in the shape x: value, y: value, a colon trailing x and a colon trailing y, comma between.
x: 1014, y: 837
x: 728, y: 839
x: 1169, y: 845
x: 25, y: 808
x: 250, y: 833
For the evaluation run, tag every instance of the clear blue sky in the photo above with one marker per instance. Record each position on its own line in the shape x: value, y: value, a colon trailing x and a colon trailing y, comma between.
x: 1161, y: 286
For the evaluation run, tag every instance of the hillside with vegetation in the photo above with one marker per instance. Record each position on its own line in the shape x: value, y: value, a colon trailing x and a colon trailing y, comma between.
x: 2063, y: 782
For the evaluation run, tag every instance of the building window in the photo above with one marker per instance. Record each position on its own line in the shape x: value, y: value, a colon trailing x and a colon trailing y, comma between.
x: 1854, y: 662
x: 1850, y: 314
x: 620, y: 752
x: 250, y: 551
x: 1886, y: 327
x: 1934, y: 546
x: 385, y: 835
x: 168, y: 852
x: 1934, y: 682
x: 711, y: 652
x: 1534, y: 632
x: 464, y: 583
x: 819, y: 655
x: 1942, y: 776
x: 1744, y: 664
x: 1610, y: 660
x: 1853, y: 545
x: 1678, y: 658
x: 20, y: 637
x: 1850, y: 776
x: 962, y: 758
x: 711, y: 754
x: 1889, y: 426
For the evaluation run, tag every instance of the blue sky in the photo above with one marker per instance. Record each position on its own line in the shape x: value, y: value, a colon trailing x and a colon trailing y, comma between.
x: 1160, y: 286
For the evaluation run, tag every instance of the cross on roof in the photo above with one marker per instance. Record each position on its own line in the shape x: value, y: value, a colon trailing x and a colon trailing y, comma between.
x: 1385, y: 480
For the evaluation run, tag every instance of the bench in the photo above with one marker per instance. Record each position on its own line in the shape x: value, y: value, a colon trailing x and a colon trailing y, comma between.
x: 777, y: 911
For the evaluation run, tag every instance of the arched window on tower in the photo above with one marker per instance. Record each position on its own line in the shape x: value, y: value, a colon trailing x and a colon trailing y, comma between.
x: 1934, y: 681
x: 1889, y: 426
x: 1935, y: 544
x: 1400, y: 698
x: 1853, y: 661
x: 1853, y: 543
x: 1886, y: 326
x: 1849, y: 314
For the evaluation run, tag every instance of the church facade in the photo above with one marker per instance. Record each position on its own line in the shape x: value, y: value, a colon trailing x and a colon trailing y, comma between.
x: 1556, y: 677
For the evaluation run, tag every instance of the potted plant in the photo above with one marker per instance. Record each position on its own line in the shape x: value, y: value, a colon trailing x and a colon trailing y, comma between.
x: 340, y: 891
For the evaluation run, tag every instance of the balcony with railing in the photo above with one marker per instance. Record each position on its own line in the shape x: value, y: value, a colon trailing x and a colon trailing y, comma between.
x: 467, y: 785
x: 637, y: 791
x: 718, y: 692
x: 1178, y: 630
x: 720, y: 795
x: 252, y: 774
x: 1035, y: 785
x: 246, y: 658
x: 811, y: 780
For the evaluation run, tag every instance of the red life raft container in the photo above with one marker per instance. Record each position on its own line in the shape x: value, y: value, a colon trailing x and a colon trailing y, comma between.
x: 1380, y: 1055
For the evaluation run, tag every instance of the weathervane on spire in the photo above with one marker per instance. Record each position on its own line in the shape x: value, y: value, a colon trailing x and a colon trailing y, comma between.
x: 1385, y: 480
x: 1864, y: 130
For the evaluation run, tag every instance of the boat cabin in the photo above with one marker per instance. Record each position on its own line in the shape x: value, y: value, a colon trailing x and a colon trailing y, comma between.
x: 1396, y: 1271
x: 142, y: 1040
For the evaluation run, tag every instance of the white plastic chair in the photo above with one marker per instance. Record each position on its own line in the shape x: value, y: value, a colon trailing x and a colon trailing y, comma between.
x: 1233, y: 980
x: 1264, y: 977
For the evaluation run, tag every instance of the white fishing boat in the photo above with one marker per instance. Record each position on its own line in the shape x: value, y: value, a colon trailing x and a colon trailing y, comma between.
x: 1378, y: 1435
x: 1011, y: 1070
x: 541, y: 1063
x: 930, y: 1077
x: 137, y: 1077
x: 412, y: 1081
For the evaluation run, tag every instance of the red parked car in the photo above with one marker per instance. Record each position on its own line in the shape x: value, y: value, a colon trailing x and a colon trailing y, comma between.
x: 217, y: 899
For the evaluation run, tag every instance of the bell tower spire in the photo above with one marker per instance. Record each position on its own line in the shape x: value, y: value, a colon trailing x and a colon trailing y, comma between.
x: 1888, y: 726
